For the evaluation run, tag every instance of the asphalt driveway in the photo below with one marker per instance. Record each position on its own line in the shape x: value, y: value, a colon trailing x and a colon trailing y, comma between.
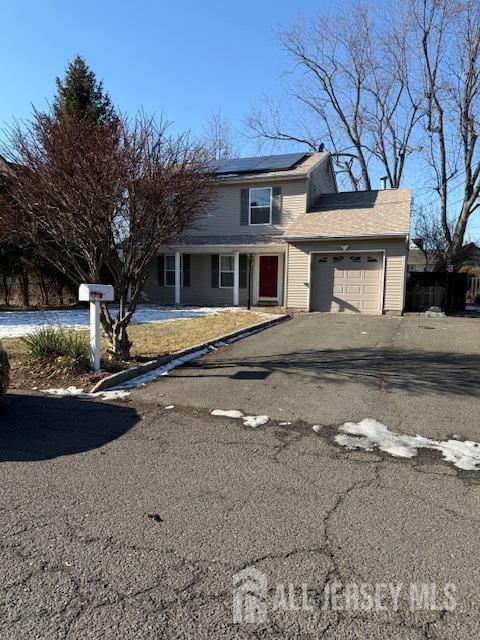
x: 415, y: 374
x: 131, y: 520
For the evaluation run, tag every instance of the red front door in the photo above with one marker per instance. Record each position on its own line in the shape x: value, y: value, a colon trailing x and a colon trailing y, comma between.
x: 268, y: 277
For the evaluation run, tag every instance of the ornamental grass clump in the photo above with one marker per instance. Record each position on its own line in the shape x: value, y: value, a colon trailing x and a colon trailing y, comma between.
x: 4, y: 370
x: 65, y: 352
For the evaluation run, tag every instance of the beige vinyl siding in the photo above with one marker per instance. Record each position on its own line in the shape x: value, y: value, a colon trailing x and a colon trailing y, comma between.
x: 224, y: 218
x: 200, y: 290
x: 298, y: 262
x: 299, y: 267
x: 395, y: 280
x: 320, y: 181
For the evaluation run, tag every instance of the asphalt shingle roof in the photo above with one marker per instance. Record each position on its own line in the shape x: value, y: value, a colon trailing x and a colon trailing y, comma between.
x: 356, y: 213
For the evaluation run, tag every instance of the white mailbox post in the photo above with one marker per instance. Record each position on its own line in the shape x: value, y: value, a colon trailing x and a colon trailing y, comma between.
x: 95, y: 293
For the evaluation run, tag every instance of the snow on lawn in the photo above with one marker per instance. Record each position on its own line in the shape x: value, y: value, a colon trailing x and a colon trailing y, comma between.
x: 19, y: 323
x: 369, y: 434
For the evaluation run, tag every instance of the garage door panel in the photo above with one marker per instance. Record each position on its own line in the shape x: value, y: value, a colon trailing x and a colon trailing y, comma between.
x: 371, y: 288
x: 347, y: 283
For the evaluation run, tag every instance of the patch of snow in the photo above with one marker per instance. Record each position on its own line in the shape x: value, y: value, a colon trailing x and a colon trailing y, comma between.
x: 229, y: 413
x: 170, y: 406
x: 177, y: 362
x: 163, y: 370
x: 19, y: 323
x: 284, y: 424
x: 110, y: 394
x: 316, y: 427
x: 364, y: 333
x: 69, y: 391
x: 248, y: 421
x: 255, y: 421
x: 370, y: 434
x: 75, y: 392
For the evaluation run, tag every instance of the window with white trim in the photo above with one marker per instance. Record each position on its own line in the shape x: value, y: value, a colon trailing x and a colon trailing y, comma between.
x: 226, y: 271
x: 170, y: 270
x: 260, y: 206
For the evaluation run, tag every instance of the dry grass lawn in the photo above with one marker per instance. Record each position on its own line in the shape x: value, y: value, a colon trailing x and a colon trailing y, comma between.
x: 165, y: 337
x: 149, y: 341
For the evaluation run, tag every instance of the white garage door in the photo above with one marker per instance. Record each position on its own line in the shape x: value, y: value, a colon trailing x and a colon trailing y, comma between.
x: 347, y: 283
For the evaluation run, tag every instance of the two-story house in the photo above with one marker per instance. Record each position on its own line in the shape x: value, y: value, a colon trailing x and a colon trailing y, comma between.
x: 280, y: 233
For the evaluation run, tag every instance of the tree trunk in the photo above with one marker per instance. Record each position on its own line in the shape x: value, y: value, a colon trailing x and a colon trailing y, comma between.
x: 6, y: 290
x: 120, y: 344
x: 456, y: 242
x: 24, y: 288
x: 44, y: 290
x: 59, y: 289
x: 116, y: 332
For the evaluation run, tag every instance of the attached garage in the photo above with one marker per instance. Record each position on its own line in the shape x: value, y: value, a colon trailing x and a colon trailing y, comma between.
x: 348, y: 253
x: 347, y: 282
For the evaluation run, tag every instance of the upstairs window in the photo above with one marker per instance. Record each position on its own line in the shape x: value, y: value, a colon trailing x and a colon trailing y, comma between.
x: 260, y: 206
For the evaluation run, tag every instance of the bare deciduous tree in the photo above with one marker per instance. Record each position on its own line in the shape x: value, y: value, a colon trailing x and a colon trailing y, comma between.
x: 449, y: 39
x: 430, y: 238
x: 353, y: 86
x: 218, y: 138
x: 95, y: 198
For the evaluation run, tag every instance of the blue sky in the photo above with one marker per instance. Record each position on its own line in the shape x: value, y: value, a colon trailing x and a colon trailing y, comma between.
x: 185, y: 59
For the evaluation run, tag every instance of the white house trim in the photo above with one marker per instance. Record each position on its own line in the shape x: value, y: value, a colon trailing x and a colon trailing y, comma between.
x: 236, y: 278
x: 178, y: 275
x: 280, y: 277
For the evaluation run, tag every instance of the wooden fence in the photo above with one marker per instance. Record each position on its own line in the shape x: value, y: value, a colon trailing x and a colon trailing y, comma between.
x: 440, y: 289
x: 473, y: 290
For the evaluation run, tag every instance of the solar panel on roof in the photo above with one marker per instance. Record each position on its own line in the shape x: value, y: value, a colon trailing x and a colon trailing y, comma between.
x: 258, y: 164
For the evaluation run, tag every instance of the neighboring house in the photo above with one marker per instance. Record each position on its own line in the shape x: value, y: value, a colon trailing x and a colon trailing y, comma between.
x: 416, y: 260
x: 470, y: 257
x: 280, y: 234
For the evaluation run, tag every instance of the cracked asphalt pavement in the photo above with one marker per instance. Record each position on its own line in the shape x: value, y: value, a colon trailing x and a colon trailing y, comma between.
x: 125, y: 520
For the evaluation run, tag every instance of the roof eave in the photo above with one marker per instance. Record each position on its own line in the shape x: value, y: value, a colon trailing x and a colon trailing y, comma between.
x: 368, y: 236
x: 261, y: 177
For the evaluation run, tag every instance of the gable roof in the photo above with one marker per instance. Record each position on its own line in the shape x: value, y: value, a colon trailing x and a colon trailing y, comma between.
x: 257, y: 164
x: 261, y: 167
x: 355, y: 213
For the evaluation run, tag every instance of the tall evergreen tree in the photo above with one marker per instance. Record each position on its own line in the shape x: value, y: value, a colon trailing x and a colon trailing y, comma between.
x: 80, y: 95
